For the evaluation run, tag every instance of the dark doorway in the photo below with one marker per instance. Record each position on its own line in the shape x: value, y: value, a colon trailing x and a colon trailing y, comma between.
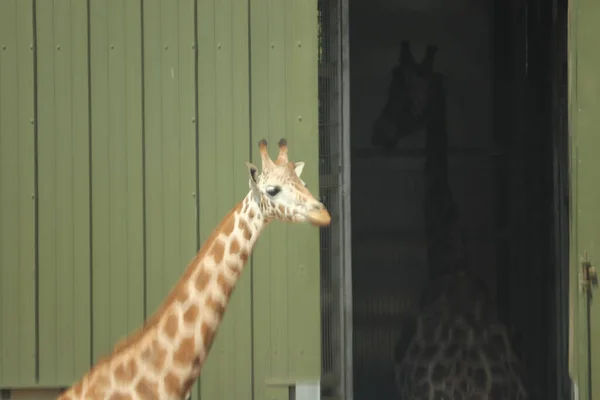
x: 504, y: 71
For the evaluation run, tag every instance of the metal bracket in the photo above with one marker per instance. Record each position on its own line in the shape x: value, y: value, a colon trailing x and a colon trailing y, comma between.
x: 589, y: 275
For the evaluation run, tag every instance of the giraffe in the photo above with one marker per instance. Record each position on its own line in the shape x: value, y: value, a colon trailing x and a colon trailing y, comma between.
x: 455, y: 347
x: 409, y: 100
x: 163, y: 358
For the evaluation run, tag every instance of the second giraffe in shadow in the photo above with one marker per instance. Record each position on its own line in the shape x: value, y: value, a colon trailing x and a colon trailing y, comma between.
x: 410, y: 98
x: 455, y: 347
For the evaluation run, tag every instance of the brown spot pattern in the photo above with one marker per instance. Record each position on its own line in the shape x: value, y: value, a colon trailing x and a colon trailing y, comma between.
x: 202, y: 280
x: 217, y: 307
x: 225, y: 286
x: 78, y: 389
x: 191, y: 314
x: 251, y: 214
x: 244, y: 255
x: 207, y: 336
x: 186, y: 352
x: 245, y: 229
x: 155, y: 355
x: 228, y: 226
x: 217, y: 251
x: 125, y: 372
x: 183, y: 295
x: 234, y: 248
x: 147, y: 389
x: 101, y: 383
x: 120, y: 396
x: 172, y: 384
x: 171, y: 326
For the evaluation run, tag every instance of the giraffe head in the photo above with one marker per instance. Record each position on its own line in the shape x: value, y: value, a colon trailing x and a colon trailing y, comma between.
x: 411, y: 93
x: 279, y: 191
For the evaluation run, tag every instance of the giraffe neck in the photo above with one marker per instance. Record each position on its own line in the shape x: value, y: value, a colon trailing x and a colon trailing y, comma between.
x: 163, y: 359
x: 188, y: 326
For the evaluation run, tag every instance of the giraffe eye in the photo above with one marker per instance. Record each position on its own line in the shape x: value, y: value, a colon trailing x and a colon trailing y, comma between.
x: 273, y: 190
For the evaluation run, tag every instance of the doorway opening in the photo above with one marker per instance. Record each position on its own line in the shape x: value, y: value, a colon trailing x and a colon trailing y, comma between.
x: 496, y: 166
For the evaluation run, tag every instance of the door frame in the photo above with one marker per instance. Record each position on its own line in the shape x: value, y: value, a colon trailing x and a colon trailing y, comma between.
x: 346, y: 214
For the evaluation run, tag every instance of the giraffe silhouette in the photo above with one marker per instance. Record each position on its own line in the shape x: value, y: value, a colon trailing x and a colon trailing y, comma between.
x: 413, y: 95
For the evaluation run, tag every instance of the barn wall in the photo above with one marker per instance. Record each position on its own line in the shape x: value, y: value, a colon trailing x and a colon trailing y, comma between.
x: 17, y: 203
x: 124, y: 128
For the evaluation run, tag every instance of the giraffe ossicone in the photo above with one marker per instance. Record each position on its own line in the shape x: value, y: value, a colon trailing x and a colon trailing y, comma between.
x: 163, y: 358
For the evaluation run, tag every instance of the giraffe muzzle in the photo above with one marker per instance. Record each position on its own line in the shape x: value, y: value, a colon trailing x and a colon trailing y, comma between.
x: 319, y: 217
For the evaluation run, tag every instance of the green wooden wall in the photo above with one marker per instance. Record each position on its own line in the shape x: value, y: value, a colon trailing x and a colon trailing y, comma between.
x: 124, y: 128
x: 584, y: 96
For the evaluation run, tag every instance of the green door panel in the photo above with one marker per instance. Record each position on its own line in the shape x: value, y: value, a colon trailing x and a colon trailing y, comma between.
x: 64, y: 191
x: 286, y: 279
x: 17, y: 202
x: 117, y: 172
x: 585, y: 192
x: 124, y: 129
x: 223, y: 145
x: 169, y: 144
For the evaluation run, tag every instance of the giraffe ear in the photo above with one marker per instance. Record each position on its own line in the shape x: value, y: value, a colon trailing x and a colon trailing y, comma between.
x: 299, y: 167
x: 253, y: 171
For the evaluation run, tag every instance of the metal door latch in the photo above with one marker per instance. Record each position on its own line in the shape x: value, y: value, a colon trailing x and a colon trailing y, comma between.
x: 589, y: 275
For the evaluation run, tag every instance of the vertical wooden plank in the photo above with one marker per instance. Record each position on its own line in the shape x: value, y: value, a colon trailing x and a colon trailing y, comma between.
x: 585, y: 98
x: 579, y: 367
x: 577, y: 314
x: 223, y: 180
x: 17, y: 186
x: 286, y: 265
x: 219, y: 368
x: 278, y: 90
x: 261, y: 268
x: 274, y: 261
x: 303, y: 249
x: 170, y: 144
x: 207, y: 123
x: 153, y: 123
x: 239, y: 323
x: 63, y: 160
x: 208, y: 159
x: 117, y: 171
